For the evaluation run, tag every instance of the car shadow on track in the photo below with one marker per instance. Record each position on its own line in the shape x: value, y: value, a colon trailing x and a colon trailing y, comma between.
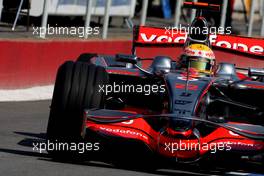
x: 35, y: 135
x: 24, y: 153
x: 33, y: 138
x: 28, y: 142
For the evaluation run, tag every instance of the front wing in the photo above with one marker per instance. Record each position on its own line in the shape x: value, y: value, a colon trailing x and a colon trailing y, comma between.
x: 156, y: 132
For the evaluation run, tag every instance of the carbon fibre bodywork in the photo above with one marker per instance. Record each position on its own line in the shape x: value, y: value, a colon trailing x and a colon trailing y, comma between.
x: 176, y: 112
x: 221, y: 110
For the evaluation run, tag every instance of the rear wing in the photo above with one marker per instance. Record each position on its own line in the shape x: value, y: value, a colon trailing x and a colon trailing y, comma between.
x: 202, y: 6
x: 168, y: 37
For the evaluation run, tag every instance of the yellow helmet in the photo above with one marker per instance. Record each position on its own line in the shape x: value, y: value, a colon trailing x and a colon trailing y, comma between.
x: 200, y: 57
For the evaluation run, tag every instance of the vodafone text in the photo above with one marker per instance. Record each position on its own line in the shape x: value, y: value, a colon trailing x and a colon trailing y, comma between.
x: 122, y: 131
x: 153, y: 38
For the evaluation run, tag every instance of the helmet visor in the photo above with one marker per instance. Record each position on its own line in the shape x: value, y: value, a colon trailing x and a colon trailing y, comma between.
x: 200, y: 64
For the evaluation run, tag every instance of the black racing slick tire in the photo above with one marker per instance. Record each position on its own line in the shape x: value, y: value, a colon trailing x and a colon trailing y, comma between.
x: 76, y: 88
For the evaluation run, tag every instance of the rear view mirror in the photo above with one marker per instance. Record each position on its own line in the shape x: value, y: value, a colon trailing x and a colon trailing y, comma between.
x: 127, y: 58
x: 259, y: 72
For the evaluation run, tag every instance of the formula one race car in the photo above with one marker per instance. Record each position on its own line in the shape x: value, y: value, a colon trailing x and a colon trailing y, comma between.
x: 182, y: 110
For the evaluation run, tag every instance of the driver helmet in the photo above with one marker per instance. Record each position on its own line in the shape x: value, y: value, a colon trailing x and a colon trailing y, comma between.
x: 201, y: 58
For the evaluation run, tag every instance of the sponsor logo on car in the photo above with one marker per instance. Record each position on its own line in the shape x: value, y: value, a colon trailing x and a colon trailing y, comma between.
x: 124, y: 131
x: 150, y: 35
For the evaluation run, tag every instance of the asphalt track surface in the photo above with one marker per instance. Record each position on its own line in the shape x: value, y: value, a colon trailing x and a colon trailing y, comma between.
x: 24, y: 123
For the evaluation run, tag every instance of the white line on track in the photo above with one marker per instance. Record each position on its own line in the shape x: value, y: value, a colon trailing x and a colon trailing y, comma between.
x: 28, y: 94
x: 240, y: 173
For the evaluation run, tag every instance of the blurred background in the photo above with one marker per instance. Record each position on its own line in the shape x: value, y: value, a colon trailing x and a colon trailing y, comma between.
x: 18, y: 17
x: 29, y: 59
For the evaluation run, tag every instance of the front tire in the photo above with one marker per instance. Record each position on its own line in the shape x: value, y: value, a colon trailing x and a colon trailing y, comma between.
x: 76, y: 88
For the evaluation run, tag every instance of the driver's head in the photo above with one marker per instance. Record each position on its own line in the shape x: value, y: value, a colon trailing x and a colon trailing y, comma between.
x: 200, y: 58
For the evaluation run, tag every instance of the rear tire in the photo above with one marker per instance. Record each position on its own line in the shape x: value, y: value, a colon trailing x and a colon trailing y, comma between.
x: 76, y: 88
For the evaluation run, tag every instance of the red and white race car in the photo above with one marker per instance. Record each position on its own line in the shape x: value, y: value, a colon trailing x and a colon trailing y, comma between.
x: 162, y: 112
